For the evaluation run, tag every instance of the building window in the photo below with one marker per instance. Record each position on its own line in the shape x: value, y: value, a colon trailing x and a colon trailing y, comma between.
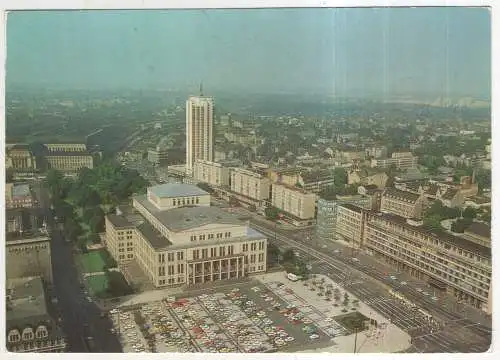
x: 210, y: 236
x: 171, y: 256
x: 187, y: 201
x: 197, y: 200
x: 230, y: 249
x: 222, y: 251
x: 161, y: 271
x: 180, y: 255
x: 213, y: 252
x: 170, y: 270
x: 130, y: 256
x: 196, y: 254
x: 253, y: 246
x: 204, y: 253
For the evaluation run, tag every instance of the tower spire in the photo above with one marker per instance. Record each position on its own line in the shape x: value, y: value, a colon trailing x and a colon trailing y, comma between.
x: 201, y: 88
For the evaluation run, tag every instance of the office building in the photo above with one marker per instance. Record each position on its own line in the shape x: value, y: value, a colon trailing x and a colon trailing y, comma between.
x: 448, y: 263
x: 199, y: 130
x: 327, y: 213
x: 317, y: 181
x: 176, y: 238
x: 350, y: 225
x: 68, y: 158
x: 294, y: 201
x: 29, y: 325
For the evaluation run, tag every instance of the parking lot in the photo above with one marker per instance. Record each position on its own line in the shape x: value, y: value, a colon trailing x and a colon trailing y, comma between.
x: 266, y: 315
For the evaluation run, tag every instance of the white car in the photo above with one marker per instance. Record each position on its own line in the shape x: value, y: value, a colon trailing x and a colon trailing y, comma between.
x: 393, y: 277
x: 434, y: 298
x: 419, y: 290
x: 426, y: 293
x: 89, y: 299
x: 403, y: 283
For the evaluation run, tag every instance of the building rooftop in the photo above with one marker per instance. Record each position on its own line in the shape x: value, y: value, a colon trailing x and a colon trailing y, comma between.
x: 176, y: 190
x: 153, y: 236
x: 189, y: 217
x: 479, y: 229
x: 318, y: 175
x: 119, y: 221
x: 21, y: 190
x: 401, y: 195
x: 27, y: 298
x: 352, y: 207
x: 68, y: 153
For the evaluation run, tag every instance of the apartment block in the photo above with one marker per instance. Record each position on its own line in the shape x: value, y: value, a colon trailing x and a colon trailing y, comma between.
x: 449, y: 263
x: 399, y: 160
x: 403, y: 203
x: 294, y: 201
x: 186, y: 243
x: 250, y: 183
x: 212, y: 173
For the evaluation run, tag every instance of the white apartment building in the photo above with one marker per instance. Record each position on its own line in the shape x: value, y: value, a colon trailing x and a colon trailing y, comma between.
x: 450, y: 263
x: 294, y: 200
x: 199, y: 130
x: 400, y: 160
x: 252, y: 184
x: 212, y: 173
x: 183, y: 243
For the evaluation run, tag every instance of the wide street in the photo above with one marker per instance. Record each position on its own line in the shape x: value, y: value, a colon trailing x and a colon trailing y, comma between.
x: 80, y: 318
x: 456, y: 333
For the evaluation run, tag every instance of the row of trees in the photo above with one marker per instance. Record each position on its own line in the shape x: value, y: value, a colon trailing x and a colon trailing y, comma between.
x: 83, y: 200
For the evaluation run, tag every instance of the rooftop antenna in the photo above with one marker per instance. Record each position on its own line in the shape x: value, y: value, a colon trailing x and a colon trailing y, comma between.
x: 201, y: 89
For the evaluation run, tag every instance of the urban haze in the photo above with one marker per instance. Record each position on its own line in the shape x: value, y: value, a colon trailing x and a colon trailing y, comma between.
x: 249, y: 181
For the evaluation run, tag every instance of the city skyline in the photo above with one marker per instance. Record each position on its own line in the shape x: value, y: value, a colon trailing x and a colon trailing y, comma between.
x: 397, y: 51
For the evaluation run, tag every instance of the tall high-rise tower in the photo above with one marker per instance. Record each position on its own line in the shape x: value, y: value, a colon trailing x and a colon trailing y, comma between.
x: 199, y: 129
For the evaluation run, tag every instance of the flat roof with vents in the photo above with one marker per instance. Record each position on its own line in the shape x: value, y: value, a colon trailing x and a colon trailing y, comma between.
x: 176, y: 190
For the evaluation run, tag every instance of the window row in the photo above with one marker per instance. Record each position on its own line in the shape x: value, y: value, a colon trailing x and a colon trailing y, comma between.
x: 210, y: 236
x: 186, y: 201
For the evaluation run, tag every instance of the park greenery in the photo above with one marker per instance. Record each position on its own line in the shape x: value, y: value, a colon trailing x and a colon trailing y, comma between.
x: 79, y: 204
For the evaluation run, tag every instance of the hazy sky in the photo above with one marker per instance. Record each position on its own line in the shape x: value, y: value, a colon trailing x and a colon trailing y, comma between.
x: 336, y: 51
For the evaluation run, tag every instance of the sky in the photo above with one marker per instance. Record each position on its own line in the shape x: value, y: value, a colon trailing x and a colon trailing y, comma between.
x: 398, y: 51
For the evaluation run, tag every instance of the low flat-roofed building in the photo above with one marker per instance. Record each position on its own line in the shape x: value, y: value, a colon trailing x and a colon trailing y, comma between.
x: 29, y: 326
x: 449, y: 263
x: 479, y: 233
x: 316, y: 181
x: 293, y: 200
x: 171, y: 195
x: 402, y: 203
x: 289, y: 176
x: 367, y: 177
x: 189, y: 244
x: 400, y: 161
